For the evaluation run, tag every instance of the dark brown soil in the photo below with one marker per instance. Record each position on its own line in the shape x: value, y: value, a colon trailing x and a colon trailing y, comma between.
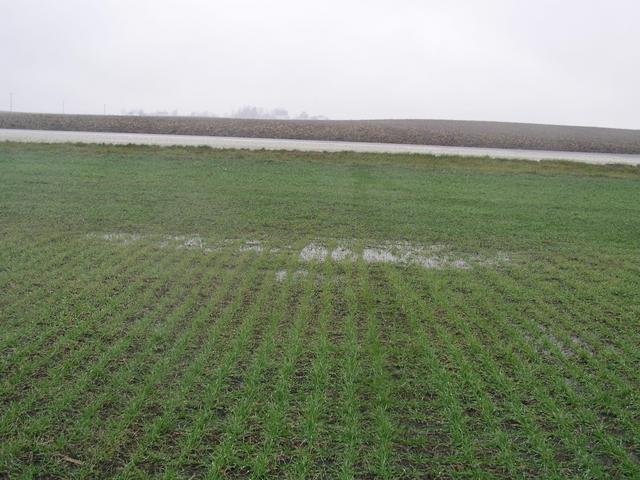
x: 419, y: 132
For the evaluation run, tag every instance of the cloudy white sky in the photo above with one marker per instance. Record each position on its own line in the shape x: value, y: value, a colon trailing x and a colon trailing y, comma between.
x: 563, y: 61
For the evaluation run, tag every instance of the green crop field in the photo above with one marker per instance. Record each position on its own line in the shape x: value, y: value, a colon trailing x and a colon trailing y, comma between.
x: 192, y: 313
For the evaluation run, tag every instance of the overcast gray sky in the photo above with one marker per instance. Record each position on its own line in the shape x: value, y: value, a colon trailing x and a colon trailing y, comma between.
x: 563, y: 61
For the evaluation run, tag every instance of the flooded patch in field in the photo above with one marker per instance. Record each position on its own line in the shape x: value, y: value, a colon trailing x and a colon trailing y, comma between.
x: 281, y: 275
x: 252, y: 246
x: 120, y: 238
x: 582, y: 344
x: 555, y: 341
x: 379, y: 255
x: 179, y: 242
x: 314, y: 253
x: 432, y: 257
x: 435, y: 256
x: 426, y: 256
x: 459, y: 263
x: 498, y: 258
x: 341, y: 254
x: 193, y: 243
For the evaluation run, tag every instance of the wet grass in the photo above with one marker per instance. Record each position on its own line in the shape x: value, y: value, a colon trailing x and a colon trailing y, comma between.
x: 131, y: 357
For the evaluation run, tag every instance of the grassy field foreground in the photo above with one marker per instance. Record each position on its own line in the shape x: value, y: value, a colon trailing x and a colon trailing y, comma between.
x: 190, y: 313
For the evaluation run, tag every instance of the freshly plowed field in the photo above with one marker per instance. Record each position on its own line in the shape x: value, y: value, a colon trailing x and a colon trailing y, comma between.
x: 190, y: 313
x: 418, y: 132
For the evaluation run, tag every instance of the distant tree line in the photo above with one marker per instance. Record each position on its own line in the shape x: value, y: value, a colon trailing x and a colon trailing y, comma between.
x: 248, y: 111
x: 159, y: 113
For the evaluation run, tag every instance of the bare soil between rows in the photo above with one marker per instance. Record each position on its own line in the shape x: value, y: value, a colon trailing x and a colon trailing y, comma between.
x: 416, y: 132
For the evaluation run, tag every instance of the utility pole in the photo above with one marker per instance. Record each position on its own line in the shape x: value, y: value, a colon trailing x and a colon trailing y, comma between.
x: 10, y: 102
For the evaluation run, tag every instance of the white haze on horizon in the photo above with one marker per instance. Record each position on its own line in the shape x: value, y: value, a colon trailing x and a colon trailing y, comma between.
x: 569, y: 62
